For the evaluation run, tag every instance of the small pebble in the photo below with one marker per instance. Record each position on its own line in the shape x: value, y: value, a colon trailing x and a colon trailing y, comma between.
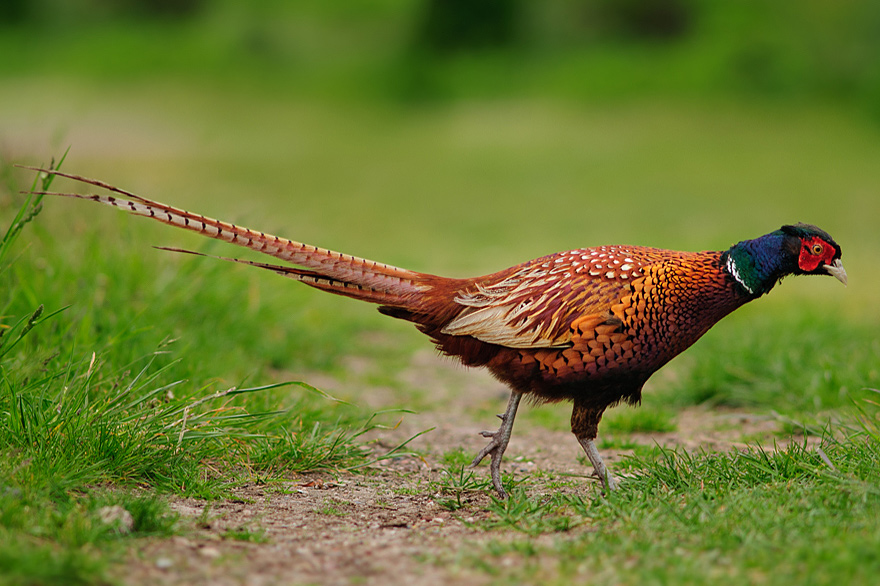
x: 210, y: 552
x: 116, y: 517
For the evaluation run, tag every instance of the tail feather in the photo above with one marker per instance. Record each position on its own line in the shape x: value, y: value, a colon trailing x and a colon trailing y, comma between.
x: 331, y: 271
x: 310, y: 278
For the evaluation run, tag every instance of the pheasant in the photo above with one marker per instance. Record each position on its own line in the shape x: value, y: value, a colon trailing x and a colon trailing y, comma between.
x: 588, y: 326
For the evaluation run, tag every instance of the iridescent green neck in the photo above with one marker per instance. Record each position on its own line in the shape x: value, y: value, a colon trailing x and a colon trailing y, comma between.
x: 757, y: 265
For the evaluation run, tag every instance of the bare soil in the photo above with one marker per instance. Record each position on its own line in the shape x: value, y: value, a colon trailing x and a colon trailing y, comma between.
x: 386, y: 526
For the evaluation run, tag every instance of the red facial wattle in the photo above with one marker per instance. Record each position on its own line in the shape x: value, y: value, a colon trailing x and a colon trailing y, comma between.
x: 815, y: 252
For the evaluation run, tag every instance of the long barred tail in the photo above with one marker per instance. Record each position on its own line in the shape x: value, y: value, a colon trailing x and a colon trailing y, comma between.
x: 330, y: 271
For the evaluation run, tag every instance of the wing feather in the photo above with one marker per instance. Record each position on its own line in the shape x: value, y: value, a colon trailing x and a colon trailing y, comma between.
x: 534, y: 305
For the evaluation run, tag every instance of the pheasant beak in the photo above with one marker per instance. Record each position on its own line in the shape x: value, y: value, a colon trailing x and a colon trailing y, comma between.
x: 835, y: 269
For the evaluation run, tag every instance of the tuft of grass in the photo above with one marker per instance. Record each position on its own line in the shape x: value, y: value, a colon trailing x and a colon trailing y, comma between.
x: 247, y: 534
x: 677, y: 471
x: 30, y: 209
x: 78, y: 424
x: 529, y: 515
x: 457, y: 483
x: 322, y: 447
x: 330, y: 508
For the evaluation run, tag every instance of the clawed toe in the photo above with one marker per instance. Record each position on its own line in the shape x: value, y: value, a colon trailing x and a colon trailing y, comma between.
x: 498, y: 443
x: 494, y: 449
x: 489, y: 449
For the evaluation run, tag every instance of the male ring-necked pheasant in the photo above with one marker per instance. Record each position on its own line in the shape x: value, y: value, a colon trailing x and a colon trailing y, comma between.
x: 587, y: 325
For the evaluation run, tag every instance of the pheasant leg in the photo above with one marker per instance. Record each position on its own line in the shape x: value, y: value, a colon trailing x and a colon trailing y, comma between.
x: 598, y: 465
x: 499, y: 442
x: 585, y: 426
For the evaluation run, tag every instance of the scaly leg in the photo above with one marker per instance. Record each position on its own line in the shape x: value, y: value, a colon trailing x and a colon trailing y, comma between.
x: 585, y: 427
x: 500, y: 438
x: 598, y: 465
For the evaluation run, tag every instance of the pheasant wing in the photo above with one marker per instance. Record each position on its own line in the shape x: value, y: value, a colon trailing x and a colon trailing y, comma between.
x: 534, y: 305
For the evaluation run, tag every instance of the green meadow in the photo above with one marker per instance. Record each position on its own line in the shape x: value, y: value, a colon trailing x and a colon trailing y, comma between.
x: 130, y: 376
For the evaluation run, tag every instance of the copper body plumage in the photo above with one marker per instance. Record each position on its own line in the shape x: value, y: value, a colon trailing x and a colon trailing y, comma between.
x: 588, y: 326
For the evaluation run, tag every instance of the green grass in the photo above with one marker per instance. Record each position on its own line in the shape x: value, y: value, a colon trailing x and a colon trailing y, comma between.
x: 247, y: 534
x: 769, y: 370
x: 784, y: 516
x: 51, y: 537
x: 330, y: 508
x: 625, y: 420
x: 458, y: 482
x: 72, y: 420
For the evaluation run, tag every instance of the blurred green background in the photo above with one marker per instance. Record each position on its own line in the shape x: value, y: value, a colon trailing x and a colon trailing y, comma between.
x: 456, y: 137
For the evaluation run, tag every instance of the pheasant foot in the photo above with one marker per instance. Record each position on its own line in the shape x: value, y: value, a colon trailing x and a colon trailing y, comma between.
x: 498, y: 444
x: 600, y: 471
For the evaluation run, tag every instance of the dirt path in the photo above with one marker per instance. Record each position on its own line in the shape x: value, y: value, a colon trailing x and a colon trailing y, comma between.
x: 386, y: 526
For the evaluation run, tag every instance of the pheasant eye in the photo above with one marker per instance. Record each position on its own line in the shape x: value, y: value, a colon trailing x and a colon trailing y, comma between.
x: 817, y: 249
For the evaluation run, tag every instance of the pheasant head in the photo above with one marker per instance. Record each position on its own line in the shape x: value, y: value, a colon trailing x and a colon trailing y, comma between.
x: 802, y: 249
